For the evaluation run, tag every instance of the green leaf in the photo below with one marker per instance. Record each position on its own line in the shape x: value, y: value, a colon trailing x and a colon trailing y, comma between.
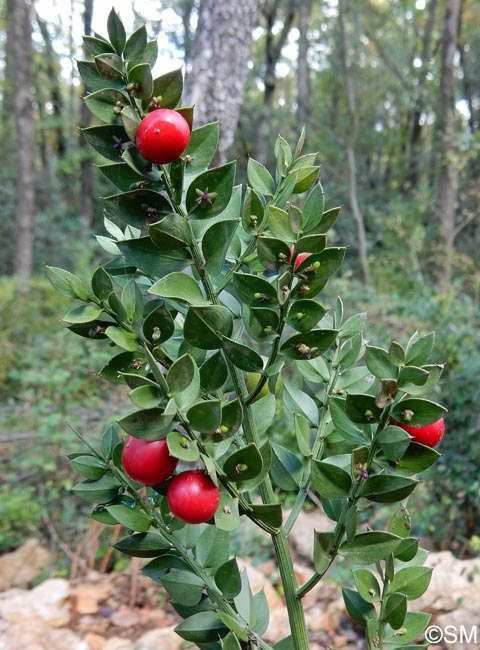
x: 328, y: 220
x: 395, y: 609
x: 141, y: 76
x: 170, y: 233
x: 330, y: 481
x: 296, y: 401
x: 205, y: 416
x: 254, y: 290
x: 384, y: 488
x: 304, y: 178
x: 241, y: 356
x: 283, y: 155
x: 183, y: 379
x: 146, y: 256
x: 215, y: 244
x: 219, y: 181
x: 413, y: 626
x: 182, y: 448
x: 245, y: 463
x: 396, y: 354
x: 116, y: 31
x: 286, y: 469
x: 213, y: 373
x: 303, y: 315
x: 202, y: 147
x: 308, y: 345
x: 101, y: 283
x: 279, y: 224
x: 204, y: 627
x: 394, y: 442
x: 138, y: 208
x: 313, y: 209
x: 110, y: 66
x: 329, y: 261
x: 97, y: 44
x: 262, y: 322
x: 169, y: 87
x: 132, y: 300
x: 367, y: 585
x: 253, y: 212
x: 272, y: 253
x: 184, y: 587
x: 227, y: 516
x: 102, y: 103
x: 369, y: 547
x: 158, y: 325
x: 353, y: 325
x: 83, y: 314
x: 146, y: 397
x: 119, y: 364
x: 362, y: 408
x: 264, y: 413
x: 133, y: 519
x: 358, y: 609
x: 228, y: 580
x: 232, y: 416
x: 89, y: 466
x: 416, y: 459
x: 107, y: 139
x: 268, y: 513
x: 231, y: 642
x: 205, y: 327
x: 67, y: 283
x: 178, y: 286
x: 212, y: 547
x: 412, y: 581
x: 379, y: 364
x: 400, y: 523
x: 413, y: 375
x: 322, y: 551
x: 418, y: 411
x: 261, y: 614
x: 93, y: 80
x: 260, y: 178
x: 125, y: 340
x: 102, y: 490
x: 303, y: 434
x: 419, y: 349
x: 143, y: 545
x: 147, y: 424
x: 407, y: 549
x: 136, y: 44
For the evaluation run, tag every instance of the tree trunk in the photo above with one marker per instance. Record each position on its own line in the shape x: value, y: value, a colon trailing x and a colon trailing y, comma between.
x: 216, y: 81
x: 448, y: 177
x: 273, y: 51
x: 468, y: 83
x: 413, y: 165
x: 351, y: 137
x: 86, y: 171
x: 21, y: 27
x: 304, y: 90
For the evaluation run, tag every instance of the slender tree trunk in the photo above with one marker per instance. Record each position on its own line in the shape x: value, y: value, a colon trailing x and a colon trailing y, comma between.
x: 215, y: 84
x: 448, y: 177
x: 304, y: 90
x: 350, y: 147
x: 186, y: 9
x: 86, y: 194
x: 468, y: 84
x: 413, y: 166
x: 273, y: 51
x: 21, y: 27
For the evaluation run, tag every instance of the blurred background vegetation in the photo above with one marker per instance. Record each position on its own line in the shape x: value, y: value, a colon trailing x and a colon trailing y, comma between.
x: 389, y: 93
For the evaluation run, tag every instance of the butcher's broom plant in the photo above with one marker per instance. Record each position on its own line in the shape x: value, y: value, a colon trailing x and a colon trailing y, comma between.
x: 211, y: 303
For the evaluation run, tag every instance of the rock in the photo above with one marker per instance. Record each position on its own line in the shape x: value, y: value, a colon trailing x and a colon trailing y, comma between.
x: 38, y: 635
x: 47, y: 602
x: 22, y: 566
x: 259, y: 581
x: 278, y: 626
x: 125, y: 617
x: 301, y: 535
x: 94, y: 641
x: 164, y: 638
x: 117, y: 643
x: 89, y: 595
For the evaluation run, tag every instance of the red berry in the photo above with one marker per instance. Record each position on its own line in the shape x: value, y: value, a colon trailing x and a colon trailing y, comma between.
x: 147, y: 461
x: 299, y: 258
x: 162, y: 136
x: 429, y: 435
x: 193, y: 497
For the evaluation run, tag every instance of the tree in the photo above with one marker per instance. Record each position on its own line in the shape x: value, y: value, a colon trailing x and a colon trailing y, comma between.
x: 304, y: 96
x: 86, y: 196
x: 216, y: 78
x: 20, y: 12
x: 351, y: 136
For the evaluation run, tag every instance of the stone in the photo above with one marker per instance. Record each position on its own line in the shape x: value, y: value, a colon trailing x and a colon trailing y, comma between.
x: 94, y: 641
x: 47, y: 602
x: 38, y: 635
x: 117, y: 643
x: 259, y: 581
x: 278, y: 626
x: 164, y: 638
x: 125, y: 617
x: 88, y: 596
x: 23, y: 565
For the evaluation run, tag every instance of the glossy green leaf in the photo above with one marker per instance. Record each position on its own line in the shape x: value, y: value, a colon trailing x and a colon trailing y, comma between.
x: 204, y: 627
x: 311, y: 244
x: 228, y: 580
x: 313, y: 209
x: 107, y: 139
x: 141, y: 76
x: 213, y: 373
x: 158, y: 325
x: 227, y: 516
x: 260, y: 178
x: 262, y: 322
x: 253, y: 212
x: 362, y: 408
x: 245, y: 463
x: 268, y: 513
x: 101, y: 490
x: 303, y: 315
x: 232, y: 416
x: 322, y: 551
x: 116, y: 31
x: 308, y: 345
x: 205, y: 327
x: 264, y: 412
x: 205, y: 416
x: 110, y: 66
x: 170, y: 233
x: 182, y: 448
x: 331, y: 482
x: 286, y: 468
x: 83, y: 314
x: 419, y: 349
x: 143, y: 545
x: 101, y: 104
x: 254, y: 290
x: 178, y: 286
x: 394, y: 441
x: 407, y: 550
x: 413, y: 626
x: 183, y: 379
x: 67, y: 283
x: 184, y: 587
x: 302, y: 434
x: 136, y: 44
x: 267, y: 456
x: 395, y: 609
x: 304, y: 178
x: 146, y: 256
x: 416, y: 459
x: 358, y: 609
x: 418, y: 411
x: 132, y: 300
x: 379, y: 364
x: 215, y: 244
x: 367, y: 585
x: 279, y: 225
x: 242, y: 356
x: 133, y: 519
x: 218, y: 181
x: 118, y: 365
x: 146, y: 397
x: 147, y: 424
x: 296, y: 401
x: 125, y: 340
x: 273, y: 253
x: 89, y: 466
x: 384, y: 488
x: 400, y: 523
x: 369, y: 547
x: 202, y: 146
x: 412, y: 581
x: 139, y: 207
x: 329, y: 262
x: 168, y: 88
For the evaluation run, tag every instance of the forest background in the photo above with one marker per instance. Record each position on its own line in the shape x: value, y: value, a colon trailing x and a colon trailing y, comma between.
x: 389, y: 94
